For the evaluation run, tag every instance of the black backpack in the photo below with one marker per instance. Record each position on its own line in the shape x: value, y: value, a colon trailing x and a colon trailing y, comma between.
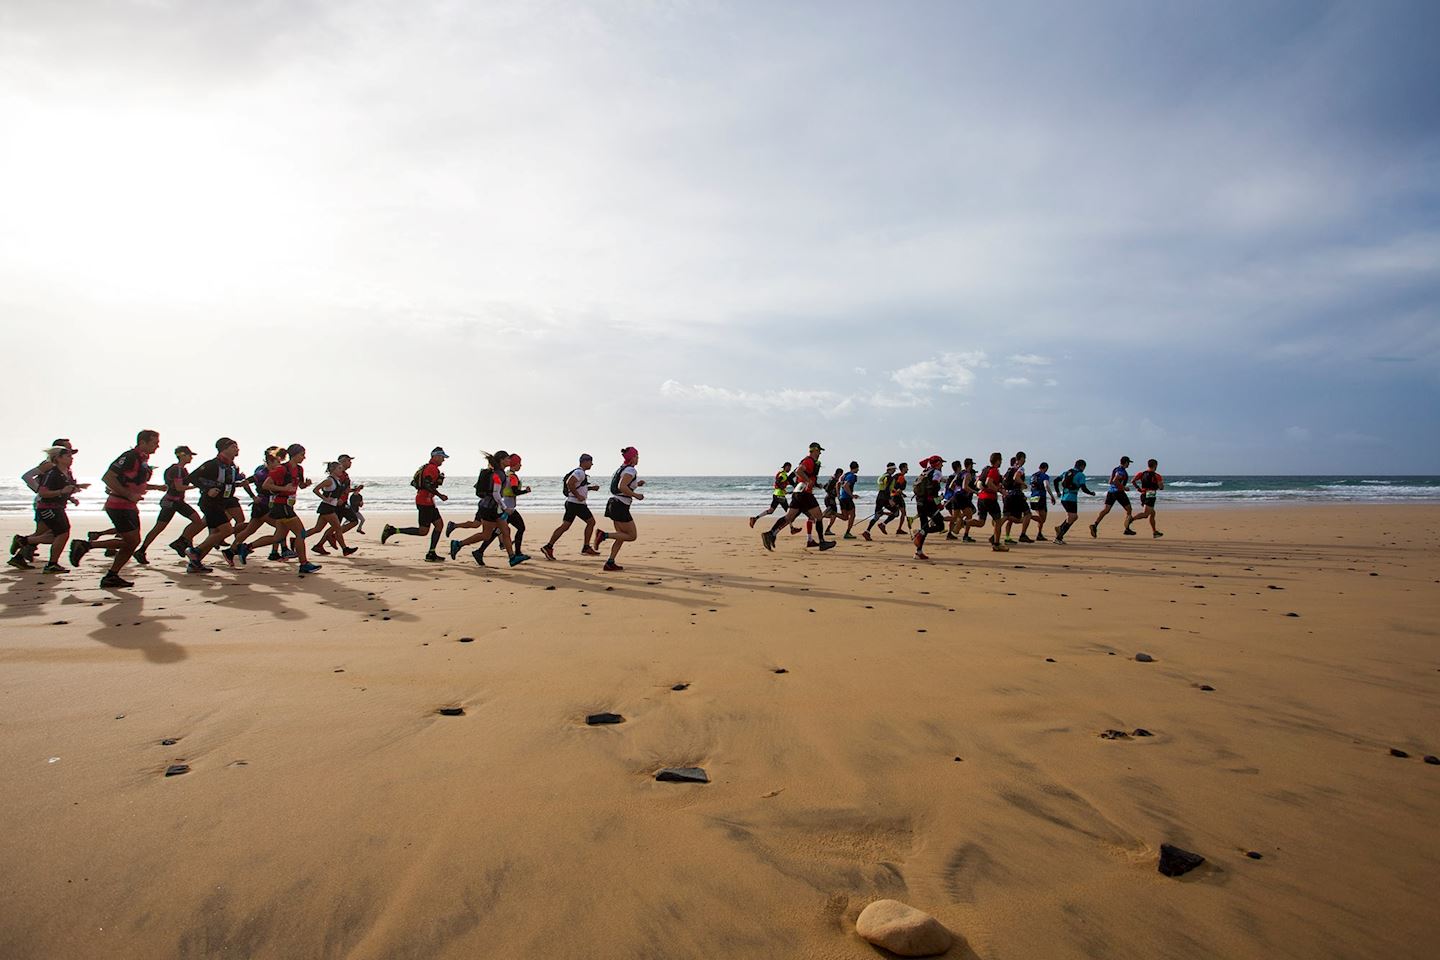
x: 1067, y: 480
x: 615, y: 483
x: 415, y: 481
x: 485, y: 484
x: 565, y: 482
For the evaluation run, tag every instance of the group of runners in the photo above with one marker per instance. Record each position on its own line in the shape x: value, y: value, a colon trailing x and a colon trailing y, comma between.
x: 965, y: 499
x: 222, y: 524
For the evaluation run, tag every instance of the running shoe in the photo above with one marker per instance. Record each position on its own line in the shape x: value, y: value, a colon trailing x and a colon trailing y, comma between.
x: 16, y: 542
x: 228, y: 555
x: 1009, y: 539
x: 387, y: 533
x: 196, y: 567
x: 1130, y: 533
x: 518, y: 559
x: 968, y: 539
x: 882, y: 528
x: 113, y: 581
x: 242, y: 552
x: 920, y: 556
x: 141, y: 559
x: 1094, y: 531
x: 78, y: 549
x: 309, y: 568
x: 612, y: 567
x: 320, y: 549
x: 288, y: 554
x: 53, y: 567
x: 851, y: 536
x: 478, y: 557
x: 455, y: 546
x: 600, y: 536
x: 1024, y: 538
x: 951, y: 536
x: 752, y: 525
x: 20, y: 563
x: 180, y: 545
x: 809, y: 544
x: 349, y: 551
x: 767, y: 540
x: 827, y: 545
x: 433, y: 557
x: 1059, y: 540
x: 1158, y: 534
x: 548, y: 552
x: 589, y: 552
x: 1039, y: 538
x: 449, y: 529
x: 865, y: 535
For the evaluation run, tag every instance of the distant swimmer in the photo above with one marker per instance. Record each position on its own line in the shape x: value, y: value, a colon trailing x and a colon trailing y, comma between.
x: 126, y: 482
x: 217, y: 479
x: 283, y: 484
x: 1017, y: 508
x: 846, y: 498
x: 490, y: 514
x: 426, y: 481
x: 803, y: 502
x: 1068, y: 485
x: 176, y: 478
x: 1039, y: 495
x: 928, y: 486
x: 988, y: 499
x: 625, y: 486
x: 779, y: 491
x: 882, y: 500
x: 1119, y: 480
x: 55, y: 489
x: 577, y: 488
x: 1149, y: 483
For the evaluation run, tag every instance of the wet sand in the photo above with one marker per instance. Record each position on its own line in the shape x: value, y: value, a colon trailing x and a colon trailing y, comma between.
x: 918, y: 745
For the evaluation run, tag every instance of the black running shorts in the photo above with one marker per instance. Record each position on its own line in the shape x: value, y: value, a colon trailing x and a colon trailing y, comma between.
x: 618, y: 511
x: 278, y: 511
x: 168, y: 509
x: 428, y: 515
x: 577, y: 511
x: 124, y: 521
x: 215, y: 515
x: 1117, y: 496
x: 53, y: 519
x: 802, y: 502
x: 989, y: 509
x: 1147, y: 500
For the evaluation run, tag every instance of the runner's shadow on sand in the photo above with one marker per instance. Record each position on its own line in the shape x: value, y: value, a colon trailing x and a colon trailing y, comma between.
x: 26, y: 593
x: 124, y: 626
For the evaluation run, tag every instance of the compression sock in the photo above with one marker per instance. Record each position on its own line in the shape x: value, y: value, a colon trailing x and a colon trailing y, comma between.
x: 411, y: 531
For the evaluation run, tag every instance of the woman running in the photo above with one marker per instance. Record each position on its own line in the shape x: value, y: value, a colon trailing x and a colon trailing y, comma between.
x: 333, y: 492
x: 55, y: 488
x: 490, y: 514
x: 624, y: 490
x: 283, y: 483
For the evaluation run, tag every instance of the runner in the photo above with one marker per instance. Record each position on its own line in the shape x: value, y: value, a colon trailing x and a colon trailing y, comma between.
x: 1016, y: 509
x: 847, y: 499
x: 1149, y: 483
x: 333, y: 492
x: 284, y: 483
x: 217, y: 480
x: 176, y: 479
x: 625, y: 487
x: 1039, y: 491
x: 882, y: 500
x: 510, y: 489
x: 962, y: 502
x: 426, y: 481
x: 927, y: 502
x: 55, y: 488
x: 898, y: 510
x: 832, y: 504
x: 490, y: 515
x: 1068, y: 485
x: 31, y: 479
x: 126, y: 483
x: 783, y: 480
x: 259, y: 505
x: 1119, y: 480
x: 802, y: 501
x: 577, y: 488
x: 991, y: 484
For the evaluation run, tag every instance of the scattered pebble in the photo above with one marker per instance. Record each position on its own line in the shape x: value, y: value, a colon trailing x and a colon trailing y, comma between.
x: 1206, y: 687
x: 1175, y: 862
x: 1397, y: 752
x: 59, y: 623
x: 683, y: 775
x: 451, y: 711
x: 1049, y: 659
x: 780, y: 670
x: 551, y: 587
x: 680, y: 686
x: 1114, y: 735
x: 1430, y: 758
x: 597, y: 719
x: 467, y: 639
x: 1144, y: 658
x: 169, y: 741
x: 1292, y: 614
x: 903, y: 930
x: 1141, y: 732
x: 1255, y: 855
x: 176, y: 769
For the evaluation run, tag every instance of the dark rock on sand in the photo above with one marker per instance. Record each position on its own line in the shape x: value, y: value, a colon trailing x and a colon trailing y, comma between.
x: 467, y: 639
x: 1141, y: 732
x: 169, y: 741
x: 1292, y: 614
x: 1432, y: 759
x: 1114, y: 735
x: 1255, y: 855
x: 681, y: 686
x: 683, y: 775
x: 1206, y: 687
x: 176, y: 769
x: 596, y: 719
x: 1049, y: 659
x: 451, y: 711
x: 780, y: 670
x: 551, y: 587
x: 1144, y: 658
x: 1175, y: 862
x: 1397, y: 752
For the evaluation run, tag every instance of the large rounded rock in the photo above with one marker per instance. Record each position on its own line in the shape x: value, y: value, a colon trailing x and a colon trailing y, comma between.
x: 902, y: 929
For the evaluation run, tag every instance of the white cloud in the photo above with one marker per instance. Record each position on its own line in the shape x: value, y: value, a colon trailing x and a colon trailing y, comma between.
x: 1052, y: 382
x: 949, y: 372
x: 1030, y: 360
x: 1016, y: 382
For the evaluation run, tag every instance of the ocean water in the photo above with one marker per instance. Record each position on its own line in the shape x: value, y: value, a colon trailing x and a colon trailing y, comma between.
x: 740, y: 496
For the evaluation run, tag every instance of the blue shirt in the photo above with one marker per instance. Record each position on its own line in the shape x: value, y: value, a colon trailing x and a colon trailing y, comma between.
x: 847, y: 484
x: 1070, y: 496
x: 1124, y: 476
x: 1040, y: 485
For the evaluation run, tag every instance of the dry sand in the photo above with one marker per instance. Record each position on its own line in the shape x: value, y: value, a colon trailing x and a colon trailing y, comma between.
x: 919, y: 747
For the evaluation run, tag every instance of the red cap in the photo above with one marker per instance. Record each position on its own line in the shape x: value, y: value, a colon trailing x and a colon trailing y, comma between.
x: 515, y: 460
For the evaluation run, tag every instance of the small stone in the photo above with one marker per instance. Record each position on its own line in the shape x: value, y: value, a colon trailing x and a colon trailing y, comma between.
x: 1144, y: 658
x: 1206, y: 687
x: 176, y: 769
x: 1273, y: 587
x: 451, y: 711
x: 551, y: 587
x: 903, y: 930
x: 1431, y: 759
x: 596, y: 719
x: 59, y: 623
x: 467, y: 639
x: 1114, y: 735
x: 680, y: 686
x: 1175, y: 862
x: 1141, y: 732
x: 1397, y: 752
x: 683, y: 775
x: 1255, y: 855
x: 169, y: 741
x: 1292, y: 614
x: 1049, y: 659
x: 120, y: 716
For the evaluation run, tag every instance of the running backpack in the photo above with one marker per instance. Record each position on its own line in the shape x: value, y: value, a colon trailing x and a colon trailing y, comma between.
x: 485, y: 484
x: 615, y: 483
x: 832, y: 486
x: 1067, y: 480
x: 416, y: 482
x: 565, y: 483
x: 924, y: 486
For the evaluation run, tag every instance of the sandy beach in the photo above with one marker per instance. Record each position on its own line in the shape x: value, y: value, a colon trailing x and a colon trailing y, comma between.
x: 871, y: 726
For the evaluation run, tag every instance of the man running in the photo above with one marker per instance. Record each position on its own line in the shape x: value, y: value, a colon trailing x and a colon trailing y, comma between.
x: 176, y: 479
x: 832, y: 503
x: 1016, y: 509
x: 126, y: 482
x: 426, y: 481
x: 283, y: 484
x: 577, y: 488
x: 1068, y: 485
x: 882, y: 500
x: 625, y: 487
x: 927, y: 502
x: 1039, y: 493
x: 55, y: 487
x: 337, y: 499
x: 783, y: 480
x: 1119, y: 480
x: 802, y: 501
x: 847, y: 498
x: 898, y: 510
x: 962, y: 501
x: 1149, y: 483
x: 988, y: 499
x: 217, y: 479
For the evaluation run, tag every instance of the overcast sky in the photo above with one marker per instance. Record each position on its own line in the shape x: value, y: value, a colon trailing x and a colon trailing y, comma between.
x: 1205, y: 232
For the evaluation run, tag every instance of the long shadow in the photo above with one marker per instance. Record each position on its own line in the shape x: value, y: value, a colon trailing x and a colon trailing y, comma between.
x: 124, y: 626
x: 26, y: 593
